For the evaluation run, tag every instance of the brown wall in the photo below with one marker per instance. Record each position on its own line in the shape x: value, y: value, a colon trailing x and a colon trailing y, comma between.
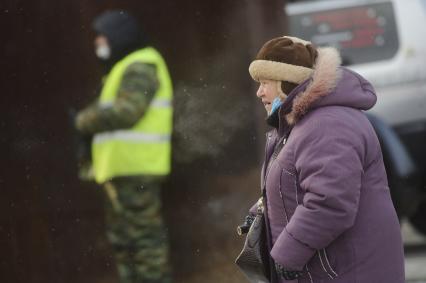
x: 51, y: 225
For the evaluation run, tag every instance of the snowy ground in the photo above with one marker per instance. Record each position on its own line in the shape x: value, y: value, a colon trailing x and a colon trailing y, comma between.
x: 415, y: 254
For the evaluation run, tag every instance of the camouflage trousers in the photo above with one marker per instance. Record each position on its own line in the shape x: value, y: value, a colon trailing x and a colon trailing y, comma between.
x: 136, y: 232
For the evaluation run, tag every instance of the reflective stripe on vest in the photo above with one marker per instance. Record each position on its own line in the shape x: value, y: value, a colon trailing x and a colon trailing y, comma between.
x: 146, y: 147
x: 131, y: 136
x: 156, y: 102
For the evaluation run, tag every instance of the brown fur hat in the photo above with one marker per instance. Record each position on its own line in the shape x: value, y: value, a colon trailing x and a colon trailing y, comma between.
x: 287, y: 59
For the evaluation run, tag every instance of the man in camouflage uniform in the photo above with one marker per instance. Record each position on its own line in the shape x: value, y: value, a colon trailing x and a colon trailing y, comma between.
x: 136, y: 86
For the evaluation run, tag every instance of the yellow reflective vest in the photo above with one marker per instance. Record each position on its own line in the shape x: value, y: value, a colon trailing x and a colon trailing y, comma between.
x: 144, y: 149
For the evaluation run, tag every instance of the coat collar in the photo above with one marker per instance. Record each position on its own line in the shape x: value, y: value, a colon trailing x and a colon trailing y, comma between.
x: 324, y: 79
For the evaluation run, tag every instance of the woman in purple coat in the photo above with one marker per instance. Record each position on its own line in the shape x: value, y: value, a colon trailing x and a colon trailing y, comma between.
x: 329, y: 214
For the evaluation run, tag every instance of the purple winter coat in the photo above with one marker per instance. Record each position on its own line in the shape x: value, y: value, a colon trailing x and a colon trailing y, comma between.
x: 328, y: 202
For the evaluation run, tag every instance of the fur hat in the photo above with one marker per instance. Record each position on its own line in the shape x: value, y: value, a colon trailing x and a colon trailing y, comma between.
x: 287, y: 59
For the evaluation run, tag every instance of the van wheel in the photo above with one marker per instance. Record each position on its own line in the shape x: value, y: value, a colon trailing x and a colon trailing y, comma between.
x: 418, y: 219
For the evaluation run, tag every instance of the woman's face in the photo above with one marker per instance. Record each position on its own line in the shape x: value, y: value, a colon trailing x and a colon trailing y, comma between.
x: 267, y: 92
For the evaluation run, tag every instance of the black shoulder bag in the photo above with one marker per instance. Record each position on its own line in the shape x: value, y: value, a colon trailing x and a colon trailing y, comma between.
x: 254, y: 258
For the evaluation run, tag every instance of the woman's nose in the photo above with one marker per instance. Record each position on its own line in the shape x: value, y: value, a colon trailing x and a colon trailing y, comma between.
x: 259, y: 92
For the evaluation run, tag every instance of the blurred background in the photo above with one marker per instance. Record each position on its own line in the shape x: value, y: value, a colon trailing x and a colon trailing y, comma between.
x: 51, y: 223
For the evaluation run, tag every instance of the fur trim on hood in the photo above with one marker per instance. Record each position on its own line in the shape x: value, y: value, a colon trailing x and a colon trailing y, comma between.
x: 324, y: 79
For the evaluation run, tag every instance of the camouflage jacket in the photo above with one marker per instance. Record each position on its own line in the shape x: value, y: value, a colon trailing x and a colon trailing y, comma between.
x: 138, y: 87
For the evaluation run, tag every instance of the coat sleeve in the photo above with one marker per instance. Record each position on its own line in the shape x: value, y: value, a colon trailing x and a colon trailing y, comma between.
x: 137, y: 88
x: 329, y: 162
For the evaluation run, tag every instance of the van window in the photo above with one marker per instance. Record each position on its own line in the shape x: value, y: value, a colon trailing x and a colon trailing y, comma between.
x: 362, y: 33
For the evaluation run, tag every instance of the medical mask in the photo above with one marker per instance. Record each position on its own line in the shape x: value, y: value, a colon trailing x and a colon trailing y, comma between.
x: 276, y: 104
x: 103, y: 52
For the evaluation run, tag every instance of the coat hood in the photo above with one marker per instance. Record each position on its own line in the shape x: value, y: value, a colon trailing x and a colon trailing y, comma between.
x: 330, y: 85
x: 123, y: 32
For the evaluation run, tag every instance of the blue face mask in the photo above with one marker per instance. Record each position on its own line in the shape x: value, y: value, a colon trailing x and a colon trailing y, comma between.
x: 276, y: 104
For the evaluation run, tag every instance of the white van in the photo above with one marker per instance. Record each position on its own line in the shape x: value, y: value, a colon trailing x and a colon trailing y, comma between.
x: 385, y: 41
